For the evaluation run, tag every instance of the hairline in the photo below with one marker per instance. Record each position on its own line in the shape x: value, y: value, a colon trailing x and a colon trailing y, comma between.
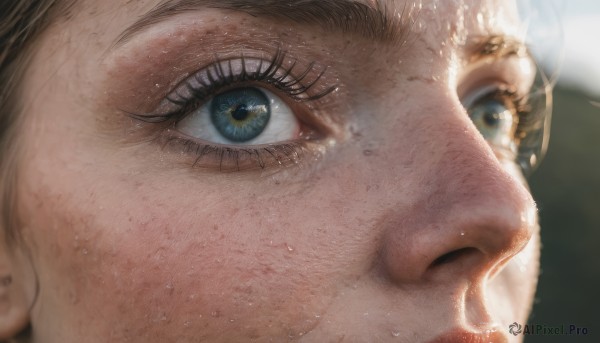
x: 24, y: 24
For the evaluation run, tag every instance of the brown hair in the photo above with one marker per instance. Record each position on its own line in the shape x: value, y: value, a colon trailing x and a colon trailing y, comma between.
x: 21, y: 22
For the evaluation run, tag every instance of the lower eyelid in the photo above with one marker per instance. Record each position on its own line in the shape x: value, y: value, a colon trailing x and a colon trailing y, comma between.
x: 225, y: 158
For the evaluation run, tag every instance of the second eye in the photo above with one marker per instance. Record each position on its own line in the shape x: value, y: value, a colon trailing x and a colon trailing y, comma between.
x: 242, y: 116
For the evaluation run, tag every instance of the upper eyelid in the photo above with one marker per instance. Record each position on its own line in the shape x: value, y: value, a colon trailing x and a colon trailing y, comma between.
x: 513, y: 71
x: 491, y: 88
x: 226, y: 71
x: 296, y: 80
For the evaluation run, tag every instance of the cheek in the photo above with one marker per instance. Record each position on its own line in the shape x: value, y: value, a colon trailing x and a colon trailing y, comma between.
x: 152, y: 260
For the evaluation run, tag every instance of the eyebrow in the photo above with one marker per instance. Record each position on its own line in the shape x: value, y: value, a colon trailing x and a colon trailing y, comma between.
x: 497, y: 46
x: 373, y: 22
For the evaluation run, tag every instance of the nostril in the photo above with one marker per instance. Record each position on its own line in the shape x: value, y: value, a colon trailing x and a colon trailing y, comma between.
x: 453, y: 256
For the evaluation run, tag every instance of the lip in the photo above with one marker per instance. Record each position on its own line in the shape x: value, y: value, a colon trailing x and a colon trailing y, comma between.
x: 464, y: 336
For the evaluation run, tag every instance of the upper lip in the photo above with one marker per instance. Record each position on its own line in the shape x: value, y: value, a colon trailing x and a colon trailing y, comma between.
x: 464, y: 336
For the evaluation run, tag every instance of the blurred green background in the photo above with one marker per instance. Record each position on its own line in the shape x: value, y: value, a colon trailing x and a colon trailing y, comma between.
x: 567, y: 190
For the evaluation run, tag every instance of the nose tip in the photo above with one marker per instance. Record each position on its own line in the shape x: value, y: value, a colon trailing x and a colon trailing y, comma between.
x: 477, y: 219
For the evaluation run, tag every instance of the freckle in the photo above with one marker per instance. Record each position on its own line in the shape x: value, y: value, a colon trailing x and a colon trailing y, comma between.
x: 267, y: 271
x: 216, y: 227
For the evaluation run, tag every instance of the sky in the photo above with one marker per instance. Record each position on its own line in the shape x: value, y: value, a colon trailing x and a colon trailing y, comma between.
x: 580, y: 66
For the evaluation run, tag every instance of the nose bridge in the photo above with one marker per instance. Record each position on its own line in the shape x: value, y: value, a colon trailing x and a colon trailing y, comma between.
x: 471, y: 214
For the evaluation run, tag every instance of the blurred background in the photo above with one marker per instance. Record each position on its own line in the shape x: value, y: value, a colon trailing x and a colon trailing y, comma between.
x: 567, y: 184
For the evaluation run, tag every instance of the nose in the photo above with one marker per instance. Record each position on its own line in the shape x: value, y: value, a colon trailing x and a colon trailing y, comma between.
x: 471, y: 217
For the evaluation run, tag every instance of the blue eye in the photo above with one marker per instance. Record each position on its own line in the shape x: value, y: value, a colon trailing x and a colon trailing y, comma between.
x: 241, y: 115
x: 495, y: 117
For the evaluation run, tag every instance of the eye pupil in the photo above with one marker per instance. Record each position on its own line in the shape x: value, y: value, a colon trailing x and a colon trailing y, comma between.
x: 240, y: 112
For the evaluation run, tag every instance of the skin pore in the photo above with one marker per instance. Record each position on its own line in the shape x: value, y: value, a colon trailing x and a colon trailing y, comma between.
x: 381, y: 213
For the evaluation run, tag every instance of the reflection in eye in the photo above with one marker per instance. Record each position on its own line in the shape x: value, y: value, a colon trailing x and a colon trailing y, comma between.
x: 250, y: 116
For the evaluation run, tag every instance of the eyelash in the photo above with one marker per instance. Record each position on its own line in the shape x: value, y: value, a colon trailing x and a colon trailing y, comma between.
x: 296, y: 88
x: 520, y: 102
x: 220, y: 76
x: 529, y: 117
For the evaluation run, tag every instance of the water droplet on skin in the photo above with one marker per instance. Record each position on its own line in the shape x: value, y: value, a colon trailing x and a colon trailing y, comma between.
x: 186, y: 323
x: 480, y: 19
x: 289, y: 248
x: 462, y: 233
x: 84, y: 251
x: 396, y: 333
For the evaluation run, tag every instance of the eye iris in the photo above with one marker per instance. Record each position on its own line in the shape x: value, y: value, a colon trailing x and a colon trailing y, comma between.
x: 241, y: 114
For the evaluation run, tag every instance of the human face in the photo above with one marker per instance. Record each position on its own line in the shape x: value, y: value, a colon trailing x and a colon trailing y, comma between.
x: 377, y: 205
